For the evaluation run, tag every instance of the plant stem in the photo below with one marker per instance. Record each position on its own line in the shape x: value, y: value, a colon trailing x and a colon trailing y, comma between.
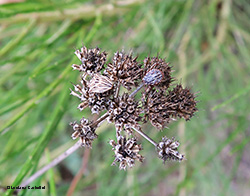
x: 117, y: 90
x: 99, y: 120
x: 85, y: 160
x: 60, y: 157
x: 52, y: 164
x: 145, y: 136
x: 136, y: 90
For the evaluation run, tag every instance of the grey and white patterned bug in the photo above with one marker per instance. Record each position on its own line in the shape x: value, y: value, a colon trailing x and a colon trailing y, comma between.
x: 100, y: 84
x: 153, y: 77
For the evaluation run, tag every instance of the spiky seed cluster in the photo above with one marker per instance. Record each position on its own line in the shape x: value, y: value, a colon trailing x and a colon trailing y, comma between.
x: 157, y: 72
x: 93, y: 60
x: 96, y: 101
x: 126, y: 152
x: 124, y: 112
x: 100, y: 90
x: 167, y: 150
x: 99, y: 101
x: 84, y: 131
x: 157, y: 109
x: 161, y: 107
x: 183, y: 102
x: 125, y: 69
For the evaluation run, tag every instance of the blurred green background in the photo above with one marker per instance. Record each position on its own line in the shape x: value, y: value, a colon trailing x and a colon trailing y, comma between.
x: 207, y: 43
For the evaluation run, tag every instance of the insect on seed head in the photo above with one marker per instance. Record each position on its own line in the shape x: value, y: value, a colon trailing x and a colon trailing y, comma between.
x: 153, y: 77
x: 100, y: 84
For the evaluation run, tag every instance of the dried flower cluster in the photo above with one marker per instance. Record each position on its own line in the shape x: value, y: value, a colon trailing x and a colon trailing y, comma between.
x: 158, y: 104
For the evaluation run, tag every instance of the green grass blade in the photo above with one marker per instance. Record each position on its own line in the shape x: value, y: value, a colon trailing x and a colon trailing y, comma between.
x: 238, y: 94
x: 45, y: 138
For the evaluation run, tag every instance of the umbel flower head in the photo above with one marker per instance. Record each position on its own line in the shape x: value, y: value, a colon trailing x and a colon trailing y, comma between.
x: 157, y: 73
x: 124, y: 113
x: 125, y: 69
x: 129, y: 94
x: 167, y: 150
x: 93, y: 60
x: 126, y: 151
x: 85, y: 131
x: 161, y: 107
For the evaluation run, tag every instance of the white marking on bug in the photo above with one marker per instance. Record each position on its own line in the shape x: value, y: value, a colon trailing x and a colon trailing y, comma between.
x: 153, y: 77
x: 100, y: 84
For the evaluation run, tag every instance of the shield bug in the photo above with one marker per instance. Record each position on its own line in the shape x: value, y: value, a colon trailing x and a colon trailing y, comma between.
x: 100, y: 84
x: 153, y: 77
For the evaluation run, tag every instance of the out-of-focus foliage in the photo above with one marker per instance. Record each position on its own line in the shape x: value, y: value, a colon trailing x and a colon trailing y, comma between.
x: 207, y: 43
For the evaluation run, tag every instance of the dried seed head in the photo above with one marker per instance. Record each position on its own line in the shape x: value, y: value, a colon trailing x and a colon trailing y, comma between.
x: 124, y: 112
x: 156, y: 108
x: 100, y: 101
x: 167, y: 150
x: 157, y: 72
x: 84, y: 131
x: 87, y: 93
x: 100, y: 90
x: 92, y: 60
x: 126, y: 152
x: 183, y: 103
x: 161, y: 107
x: 124, y: 69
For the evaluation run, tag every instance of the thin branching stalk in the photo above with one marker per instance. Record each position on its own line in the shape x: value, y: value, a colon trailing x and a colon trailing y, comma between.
x: 117, y: 90
x: 100, y: 120
x: 79, y: 174
x: 52, y: 164
x: 145, y: 136
x: 136, y: 90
